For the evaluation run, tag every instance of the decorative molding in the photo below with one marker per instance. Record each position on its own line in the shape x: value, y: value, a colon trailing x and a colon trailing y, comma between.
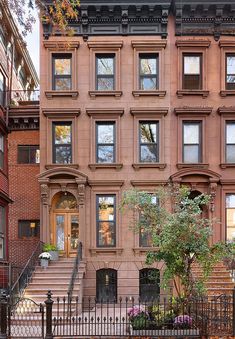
x: 148, y: 182
x: 63, y: 112
x: 227, y: 181
x: 52, y: 94
x: 106, y: 182
x: 226, y: 110
x: 227, y: 165
x: 105, y: 44
x: 149, y: 44
x: 193, y: 110
x: 193, y: 43
x: 116, y: 94
x: 27, y: 123
x: 67, y: 45
x: 44, y: 193
x: 101, y: 251
x: 103, y: 111
x: 225, y: 93
x: 50, y: 166
x: 95, y: 166
x: 81, y: 193
x: 226, y: 43
x: 136, y: 111
x: 138, y: 93
x: 182, y: 92
x: 143, y: 250
x: 138, y: 166
x: 199, y: 165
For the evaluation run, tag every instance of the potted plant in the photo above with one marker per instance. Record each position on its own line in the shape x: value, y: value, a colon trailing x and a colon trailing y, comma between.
x: 53, y: 250
x: 44, y: 259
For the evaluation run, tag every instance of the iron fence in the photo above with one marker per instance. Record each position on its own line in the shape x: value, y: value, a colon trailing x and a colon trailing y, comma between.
x: 70, y: 317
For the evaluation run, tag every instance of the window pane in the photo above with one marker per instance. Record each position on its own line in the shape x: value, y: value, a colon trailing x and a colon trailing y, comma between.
x: 148, y: 132
x: 34, y: 155
x: 105, y: 154
x: 62, y: 134
x: 148, y: 84
x: 192, y: 82
x: 63, y: 66
x: 230, y: 200
x: 62, y: 84
x: 106, y: 234
x: 191, y: 154
x: 105, y: 134
x: 105, y: 84
x: 63, y: 155
x: 2, y: 219
x: 1, y: 143
x: 106, y: 208
x: 192, y: 65
x: 148, y: 153
x: 105, y: 65
x: 145, y: 238
x: 230, y: 65
x: 230, y: 133
x: 28, y: 228
x: 148, y: 65
x: 230, y: 153
x: 2, y: 89
x: 231, y: 79
x: 23, y: 154
x: 191, y: 133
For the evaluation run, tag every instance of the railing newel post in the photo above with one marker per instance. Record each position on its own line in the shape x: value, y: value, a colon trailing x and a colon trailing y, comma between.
x: 49, y: 304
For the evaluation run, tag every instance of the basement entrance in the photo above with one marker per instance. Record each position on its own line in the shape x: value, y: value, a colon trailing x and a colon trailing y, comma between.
x: 65, y: 224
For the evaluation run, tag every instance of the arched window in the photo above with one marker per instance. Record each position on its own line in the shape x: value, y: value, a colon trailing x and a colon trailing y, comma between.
x: 106, y: 285
x: 149, y: 280
x: 66, y: 201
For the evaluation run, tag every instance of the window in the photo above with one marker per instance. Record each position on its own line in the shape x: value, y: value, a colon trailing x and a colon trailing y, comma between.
x: 192, y: 71
x: 1, y: 151
x: 148, y: 72
x: 28, y: 228
x: 192, y: 142
x: 2, y: 231
x: 149, y: 138
x: 62, y: 143
x: 106, y: 220
x: 145, y: 234
x: 230, y: 142
x: 105, y: 66
x: 2, y: 89
x: 230, y: 216
x: 149, y: 282
x: 61, y: 69
x: 106, y: 285
x: 28, y: 154
x: 230, y: 72
x: 105, y: 142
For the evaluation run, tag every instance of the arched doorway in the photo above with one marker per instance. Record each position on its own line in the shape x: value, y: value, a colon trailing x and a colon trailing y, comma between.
x: 65, y: 223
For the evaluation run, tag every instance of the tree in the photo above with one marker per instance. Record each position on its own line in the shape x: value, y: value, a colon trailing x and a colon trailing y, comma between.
x: 59, y: 13
x: 179, y: 232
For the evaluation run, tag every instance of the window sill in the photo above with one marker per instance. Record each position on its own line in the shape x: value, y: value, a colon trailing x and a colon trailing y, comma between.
x: 192, y: 165
x: 104, y: 250
x: 227, y: 165
x: 224, y: 93
x: 144, y: 250
x: 203, y: 93
x: 94, y: 94
x: 50, y: 166
x: 116, y: 166
x: 52, y: 94
x: 139, y: 93
x: 33, y: 164
x: 137, y: 166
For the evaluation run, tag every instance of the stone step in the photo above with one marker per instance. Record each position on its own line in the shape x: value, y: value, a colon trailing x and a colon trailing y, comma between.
x: 219, y: 291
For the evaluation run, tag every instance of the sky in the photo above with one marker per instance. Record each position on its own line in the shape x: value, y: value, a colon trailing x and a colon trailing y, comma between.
x: 32, y: 40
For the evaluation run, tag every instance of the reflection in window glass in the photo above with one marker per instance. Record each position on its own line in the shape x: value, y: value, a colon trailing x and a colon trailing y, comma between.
x: 2, y: 89
x: 149, y: 141
x: 62, y: 146
x: 1, y: 151
x: 148, y: 69
x: 230, y: 71
x: 105, y: 144
x: 230, y: 216
x: 191, y: 142
x: 62, y: 72
x: 192, y: 78
x: 106, y: 221
x: 145, y: 234
x: 105, y: 64
x: 28, y: 154
x: 230, y: 142
x: 28, y: 228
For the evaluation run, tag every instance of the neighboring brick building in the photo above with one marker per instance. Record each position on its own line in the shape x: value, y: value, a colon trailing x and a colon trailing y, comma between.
x: 141, y: 95
x: 18, y: 79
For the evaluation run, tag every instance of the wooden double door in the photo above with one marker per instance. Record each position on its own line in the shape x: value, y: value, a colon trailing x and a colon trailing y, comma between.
x: 66, y: 232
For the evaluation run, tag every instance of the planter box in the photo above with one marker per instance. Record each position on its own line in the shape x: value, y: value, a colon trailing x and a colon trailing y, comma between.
x: 44, y: 262
x: 166, y: 333
x: 54, y: 255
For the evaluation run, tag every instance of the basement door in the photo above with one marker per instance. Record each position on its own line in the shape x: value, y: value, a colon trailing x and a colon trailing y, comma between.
x: 66, y: 232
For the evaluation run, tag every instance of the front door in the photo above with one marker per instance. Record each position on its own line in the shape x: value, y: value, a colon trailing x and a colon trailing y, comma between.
x: 66, y: 232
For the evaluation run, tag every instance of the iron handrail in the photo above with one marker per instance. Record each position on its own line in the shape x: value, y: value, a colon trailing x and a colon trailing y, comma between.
x: 75, y: 270
x: 26, y: 273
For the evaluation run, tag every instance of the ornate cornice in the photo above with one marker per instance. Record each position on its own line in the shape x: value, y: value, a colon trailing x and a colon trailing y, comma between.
x: 24, y: 117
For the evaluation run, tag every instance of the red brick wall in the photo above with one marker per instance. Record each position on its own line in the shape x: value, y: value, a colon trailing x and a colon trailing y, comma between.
x: 24, y: 191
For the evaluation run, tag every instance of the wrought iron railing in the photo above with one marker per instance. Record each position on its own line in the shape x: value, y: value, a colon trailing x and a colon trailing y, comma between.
x: 26, y: 274
x: 75, y: 270
x: 9, y: 273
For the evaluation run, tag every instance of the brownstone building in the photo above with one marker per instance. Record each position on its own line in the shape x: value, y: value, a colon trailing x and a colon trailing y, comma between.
x: 18, y: 78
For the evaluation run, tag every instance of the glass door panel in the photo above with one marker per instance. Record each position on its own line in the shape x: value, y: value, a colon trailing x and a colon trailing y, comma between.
x: 60, y: 232
x: 74, y: 235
